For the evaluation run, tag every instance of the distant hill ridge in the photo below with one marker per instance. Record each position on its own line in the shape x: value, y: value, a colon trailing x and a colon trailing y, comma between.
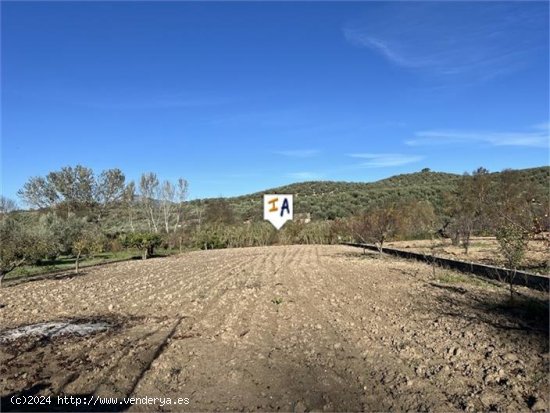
x: 333, y: 199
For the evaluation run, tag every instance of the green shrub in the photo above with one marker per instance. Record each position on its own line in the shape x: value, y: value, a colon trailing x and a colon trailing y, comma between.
x: 146, y: 242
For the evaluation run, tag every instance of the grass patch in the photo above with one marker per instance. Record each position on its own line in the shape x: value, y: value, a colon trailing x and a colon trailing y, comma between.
x: 64, y: 263
x: 456, y: 278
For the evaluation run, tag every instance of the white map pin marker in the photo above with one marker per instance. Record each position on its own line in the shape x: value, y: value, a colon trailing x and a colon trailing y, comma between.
x: 278, y: 208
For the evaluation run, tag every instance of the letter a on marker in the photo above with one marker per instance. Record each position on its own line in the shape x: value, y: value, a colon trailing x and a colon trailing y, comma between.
x: 285, y: 206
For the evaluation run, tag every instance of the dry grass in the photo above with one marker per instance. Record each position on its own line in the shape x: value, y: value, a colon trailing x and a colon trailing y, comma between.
x: 484, y: 250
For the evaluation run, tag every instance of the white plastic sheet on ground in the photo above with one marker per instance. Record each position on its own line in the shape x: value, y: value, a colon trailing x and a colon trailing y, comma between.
x: 53, y: 329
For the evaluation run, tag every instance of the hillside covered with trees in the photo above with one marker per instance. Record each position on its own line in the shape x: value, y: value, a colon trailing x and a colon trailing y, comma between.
x: 331, y: 200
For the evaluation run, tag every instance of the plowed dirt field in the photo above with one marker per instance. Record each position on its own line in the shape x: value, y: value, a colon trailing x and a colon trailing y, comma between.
x: 289, y: 328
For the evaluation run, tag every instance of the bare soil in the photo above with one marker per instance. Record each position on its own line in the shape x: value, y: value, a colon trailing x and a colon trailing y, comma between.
x: 289, y: 328
x: 484, y: 250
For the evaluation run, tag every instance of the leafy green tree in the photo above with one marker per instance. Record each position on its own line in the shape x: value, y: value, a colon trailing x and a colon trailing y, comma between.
x: 89, y: 241
x: 73, y: 189
x: 109, y: 189
x: 146, y: 242
x: 63, y: 232
x: 39, y: 192
x: 210, y: 236
x: 80, y: 246
x: 19, y: 246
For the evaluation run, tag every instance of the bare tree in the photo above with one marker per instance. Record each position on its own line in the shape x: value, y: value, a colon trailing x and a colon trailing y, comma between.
x: 129, y: 198
x: 181, y: 196
x: 377, y: 225
x: 468, y: 209
x: 513, y: 241
x: 384, y: 222
x: 162, y: 201
x: 466, y: 226
x: 168, y: 195
x: 7, y: 205
x: 149, y: 186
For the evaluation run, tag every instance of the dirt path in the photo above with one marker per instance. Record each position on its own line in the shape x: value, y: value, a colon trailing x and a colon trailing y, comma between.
x: 290, y: 328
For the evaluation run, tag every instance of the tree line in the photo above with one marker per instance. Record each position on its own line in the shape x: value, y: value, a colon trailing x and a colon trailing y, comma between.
x: 71, y: 206
x: 80, y: 213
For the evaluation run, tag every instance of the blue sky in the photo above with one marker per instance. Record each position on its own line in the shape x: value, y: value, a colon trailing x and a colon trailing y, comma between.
x: 240, y: 97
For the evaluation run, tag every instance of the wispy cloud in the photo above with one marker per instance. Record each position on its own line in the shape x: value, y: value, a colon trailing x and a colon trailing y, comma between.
x: 390, y: 51
x: 299, y: 153
x: 537, y: 138
x: 304, y: 176
x: 381, y: 160
x: 454, y: 38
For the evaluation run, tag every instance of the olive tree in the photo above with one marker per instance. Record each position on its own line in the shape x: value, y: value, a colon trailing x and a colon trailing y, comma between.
x: 89, y: 242
x: 144, y: 241
x: 63, y: 232
x: 18, y: 246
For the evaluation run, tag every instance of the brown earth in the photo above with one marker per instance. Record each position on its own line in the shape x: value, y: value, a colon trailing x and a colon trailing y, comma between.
x: 290, y: 328
x: 484, y: 250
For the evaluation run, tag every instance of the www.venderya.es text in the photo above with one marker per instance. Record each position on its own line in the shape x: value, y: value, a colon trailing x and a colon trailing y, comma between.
x: 97, y: 400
